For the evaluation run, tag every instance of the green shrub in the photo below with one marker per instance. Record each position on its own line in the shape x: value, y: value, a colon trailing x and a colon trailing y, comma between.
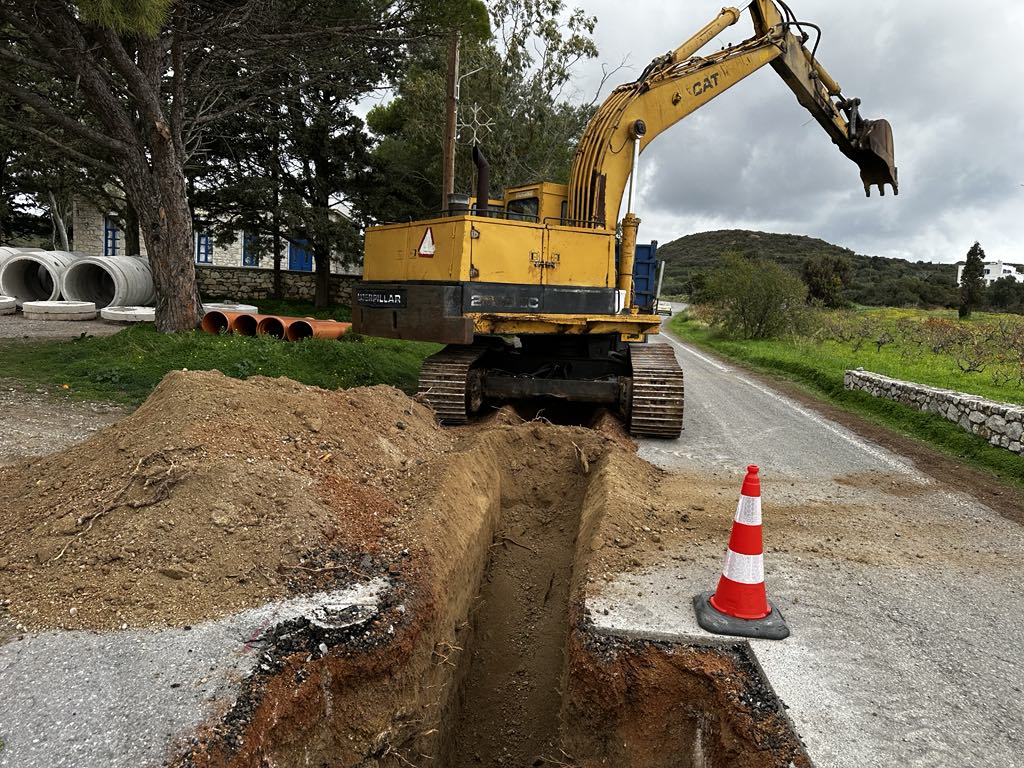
x: 755, y: 298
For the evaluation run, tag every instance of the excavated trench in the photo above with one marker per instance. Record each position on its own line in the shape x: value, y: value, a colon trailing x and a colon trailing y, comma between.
x: 485, y: 657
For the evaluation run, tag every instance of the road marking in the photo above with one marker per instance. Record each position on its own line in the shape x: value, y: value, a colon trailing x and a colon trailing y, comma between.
x: 695, y: 353
x: 876, y: 453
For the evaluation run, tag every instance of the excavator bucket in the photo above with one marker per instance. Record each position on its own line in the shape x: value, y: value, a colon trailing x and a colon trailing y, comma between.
x: 874, y: 154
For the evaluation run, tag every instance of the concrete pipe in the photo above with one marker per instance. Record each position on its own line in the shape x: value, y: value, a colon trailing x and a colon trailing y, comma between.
x: 271, y: 325
x: 319, y: 329
x: 59, y: 310
x: 7, y: 305
x: 35, y: 276
x: 129, y: 314
x: 7, y: 253
x: 109, y: 281
x: 229, y: 307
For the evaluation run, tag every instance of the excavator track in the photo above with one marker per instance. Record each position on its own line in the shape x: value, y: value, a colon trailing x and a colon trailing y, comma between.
x: 656, y: 396
x: 449, y: 385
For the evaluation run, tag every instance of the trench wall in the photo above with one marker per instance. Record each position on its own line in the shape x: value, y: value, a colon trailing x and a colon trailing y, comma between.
x: 256, y: 283
x: 1002, y: 424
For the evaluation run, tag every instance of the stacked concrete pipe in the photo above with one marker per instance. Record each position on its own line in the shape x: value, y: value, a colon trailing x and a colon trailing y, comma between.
x: 35, y: 275
x: 109, y: 281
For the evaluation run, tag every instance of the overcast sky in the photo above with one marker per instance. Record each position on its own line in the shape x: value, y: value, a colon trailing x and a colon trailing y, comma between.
x: 948, y: 76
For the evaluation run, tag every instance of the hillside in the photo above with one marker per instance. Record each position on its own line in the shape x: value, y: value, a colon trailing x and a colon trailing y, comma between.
x: 874, y: 280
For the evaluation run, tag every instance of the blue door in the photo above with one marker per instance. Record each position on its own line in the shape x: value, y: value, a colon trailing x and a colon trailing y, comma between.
x: 300, y: 258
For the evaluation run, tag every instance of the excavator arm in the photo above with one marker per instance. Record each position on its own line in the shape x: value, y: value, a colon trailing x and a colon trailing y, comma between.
x: 680, y: 82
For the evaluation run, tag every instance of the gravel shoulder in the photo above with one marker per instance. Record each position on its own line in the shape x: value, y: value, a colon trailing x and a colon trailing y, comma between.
x: 19, y: 327
x: 34, y: 422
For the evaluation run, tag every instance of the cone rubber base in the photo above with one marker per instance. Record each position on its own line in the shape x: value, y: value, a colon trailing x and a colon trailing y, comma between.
x: 771, y: 627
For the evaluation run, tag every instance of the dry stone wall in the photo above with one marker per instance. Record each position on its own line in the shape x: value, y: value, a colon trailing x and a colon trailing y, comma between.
x: 253, y: 283
x: 1002, y: 424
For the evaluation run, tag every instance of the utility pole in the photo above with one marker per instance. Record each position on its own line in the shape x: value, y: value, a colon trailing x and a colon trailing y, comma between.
x: 451, y: 114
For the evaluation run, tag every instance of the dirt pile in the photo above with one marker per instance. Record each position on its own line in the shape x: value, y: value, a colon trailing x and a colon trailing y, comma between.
x: 215, y: 495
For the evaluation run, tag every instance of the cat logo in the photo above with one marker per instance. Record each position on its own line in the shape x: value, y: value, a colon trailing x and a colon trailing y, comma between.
x: 707, y: 84
x: 426, y: 249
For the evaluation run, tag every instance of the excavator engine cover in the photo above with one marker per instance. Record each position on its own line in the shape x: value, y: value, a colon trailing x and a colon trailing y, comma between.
x: 875, y: 156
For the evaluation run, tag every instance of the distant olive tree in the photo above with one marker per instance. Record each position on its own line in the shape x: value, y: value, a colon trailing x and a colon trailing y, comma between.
x: 755, y: 298
x: 826, y: 276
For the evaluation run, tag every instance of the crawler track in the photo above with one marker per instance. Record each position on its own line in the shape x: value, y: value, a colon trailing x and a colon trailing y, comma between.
x: 656, y: 398
x: 449, y: 385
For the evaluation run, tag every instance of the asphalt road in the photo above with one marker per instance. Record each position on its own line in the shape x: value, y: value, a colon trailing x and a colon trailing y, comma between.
x: 907, y: 628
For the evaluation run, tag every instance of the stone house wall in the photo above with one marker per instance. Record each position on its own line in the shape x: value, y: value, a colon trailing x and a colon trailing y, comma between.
x: 251, y: 283
x: 1002, y: 424
x: 88, y: 228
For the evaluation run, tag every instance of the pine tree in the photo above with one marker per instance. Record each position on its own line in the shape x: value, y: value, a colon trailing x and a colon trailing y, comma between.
x: 972, y: 284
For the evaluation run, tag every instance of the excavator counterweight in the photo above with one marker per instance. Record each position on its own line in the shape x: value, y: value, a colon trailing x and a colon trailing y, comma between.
x: 534, y: 294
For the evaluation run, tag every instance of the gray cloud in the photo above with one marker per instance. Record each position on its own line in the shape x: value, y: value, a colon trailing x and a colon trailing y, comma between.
x: 946, y: 76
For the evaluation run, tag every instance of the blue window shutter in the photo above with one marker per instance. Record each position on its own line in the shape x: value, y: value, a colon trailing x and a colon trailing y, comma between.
x: 110, y: 236
x: 204, y: 248
x: 250, y: 258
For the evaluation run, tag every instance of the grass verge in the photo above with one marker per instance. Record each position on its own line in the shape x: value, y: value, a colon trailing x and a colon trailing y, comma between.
x: 125, y: 367
x: 823, y: 376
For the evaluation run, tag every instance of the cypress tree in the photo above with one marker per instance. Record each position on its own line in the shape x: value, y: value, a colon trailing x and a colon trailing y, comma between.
x: 972, y: 284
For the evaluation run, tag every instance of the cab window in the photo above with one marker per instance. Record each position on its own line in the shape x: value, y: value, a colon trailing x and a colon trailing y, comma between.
x: 527, y: 209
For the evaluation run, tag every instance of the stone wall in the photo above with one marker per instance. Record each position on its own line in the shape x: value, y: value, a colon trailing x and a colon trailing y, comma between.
x: 255, y: 283
x: 1001, y: 424
x: 88, y: 229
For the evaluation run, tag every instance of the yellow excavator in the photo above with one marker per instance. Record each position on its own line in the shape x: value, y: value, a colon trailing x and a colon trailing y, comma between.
x: 533, y: 294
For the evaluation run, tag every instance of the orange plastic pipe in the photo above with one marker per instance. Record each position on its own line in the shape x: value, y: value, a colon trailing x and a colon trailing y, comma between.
x: 216, y: 321
x: 319, y: 329
x: 272, y: 325
x: 247, y: 324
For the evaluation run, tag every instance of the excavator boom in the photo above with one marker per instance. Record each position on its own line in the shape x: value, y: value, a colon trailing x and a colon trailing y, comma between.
x: 680, y: 82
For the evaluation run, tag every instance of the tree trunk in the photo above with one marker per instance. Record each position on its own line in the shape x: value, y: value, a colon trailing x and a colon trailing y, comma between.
x: 322, y: 265
x: 165, y: 219
x: 59, y: 229
x: 132, y: 242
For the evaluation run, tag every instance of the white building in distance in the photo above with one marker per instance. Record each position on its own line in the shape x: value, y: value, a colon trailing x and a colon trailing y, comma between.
x: 994, y: 270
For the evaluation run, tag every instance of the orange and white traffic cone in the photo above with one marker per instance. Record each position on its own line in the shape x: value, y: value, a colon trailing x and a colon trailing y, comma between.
x: 740, y: 605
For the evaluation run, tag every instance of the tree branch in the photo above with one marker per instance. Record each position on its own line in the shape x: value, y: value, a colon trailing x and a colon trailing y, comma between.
x: 71, y: 152
x: 67, y: 123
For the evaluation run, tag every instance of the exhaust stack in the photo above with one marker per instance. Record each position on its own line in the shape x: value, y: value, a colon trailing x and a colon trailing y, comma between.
x: 483, y: 182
